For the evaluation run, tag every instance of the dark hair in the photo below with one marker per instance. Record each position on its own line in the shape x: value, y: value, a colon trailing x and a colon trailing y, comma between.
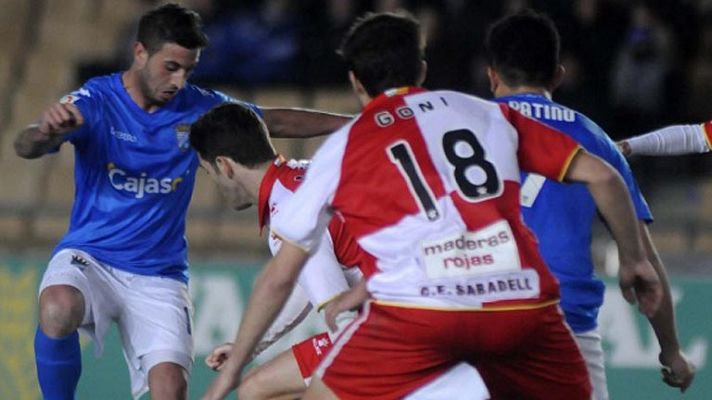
x: 171, y: 23
x: 524, y: 49
x: 384, y: 51
x: 232, y: 130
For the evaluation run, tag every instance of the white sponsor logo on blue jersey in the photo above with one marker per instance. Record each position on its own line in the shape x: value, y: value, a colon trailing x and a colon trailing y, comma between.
x: 123, y: 135
x: 140, y: 185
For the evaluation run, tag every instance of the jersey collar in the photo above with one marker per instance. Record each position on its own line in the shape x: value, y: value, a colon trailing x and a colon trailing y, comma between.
x: 266, y: 185
x: 390, y: 93
x: 523, y: 95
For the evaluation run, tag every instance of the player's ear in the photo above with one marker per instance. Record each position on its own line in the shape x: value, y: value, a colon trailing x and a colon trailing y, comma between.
x: 493, y: 79
x: 224, y: 166
x: 358, y: 88
x: 140, y: 53
x: 423, y: 73
x: 355, y: 84
x: 558, y: 77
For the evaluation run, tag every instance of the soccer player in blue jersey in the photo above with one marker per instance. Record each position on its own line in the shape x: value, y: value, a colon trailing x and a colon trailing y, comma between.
x: 524, y: 70
x: 124, y: 256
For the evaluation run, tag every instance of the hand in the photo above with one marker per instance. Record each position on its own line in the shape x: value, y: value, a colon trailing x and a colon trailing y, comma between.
x: 639, y: 283
x: 60, y: 118
x: 677, y: 370
x: 216, y: 359
x: 624, y: 147
x: 345, y: 301
x: 226, y: 382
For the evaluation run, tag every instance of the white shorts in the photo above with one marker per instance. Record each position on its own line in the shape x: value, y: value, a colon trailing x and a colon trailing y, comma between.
x: 153, y: 314
x: 461, y: 382
x: 592, y: 350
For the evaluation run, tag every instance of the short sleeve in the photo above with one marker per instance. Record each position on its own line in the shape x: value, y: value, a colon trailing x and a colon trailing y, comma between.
x: 322, y: 277
x: 305, y: 216
x: 86, y: 101
x: 226, y: 98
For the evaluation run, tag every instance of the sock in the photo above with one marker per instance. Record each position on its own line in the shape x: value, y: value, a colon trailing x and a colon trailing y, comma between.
x: 59, y: 364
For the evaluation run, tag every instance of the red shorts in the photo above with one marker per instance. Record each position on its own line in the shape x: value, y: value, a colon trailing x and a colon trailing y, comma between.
x: 310, y: 352
x: 389, y: 352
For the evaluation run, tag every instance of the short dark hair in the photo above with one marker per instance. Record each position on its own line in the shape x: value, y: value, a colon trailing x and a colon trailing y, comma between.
x: 171, y: 23
x: 384, y: 50
x: 524, y: 49
x: 232, y: 130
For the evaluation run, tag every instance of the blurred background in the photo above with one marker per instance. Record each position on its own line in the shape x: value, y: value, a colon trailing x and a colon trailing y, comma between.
x: 631, y: 66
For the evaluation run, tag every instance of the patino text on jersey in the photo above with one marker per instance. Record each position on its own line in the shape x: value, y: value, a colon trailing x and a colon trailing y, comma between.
x: 551, y: 112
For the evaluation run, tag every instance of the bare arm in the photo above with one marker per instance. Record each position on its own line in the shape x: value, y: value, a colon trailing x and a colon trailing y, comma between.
x: 678, y: 372
x: 271, y: 291
x: 637, y: 277
x: 38, y: 139
x: 346, y: 301
x: 302, y: 123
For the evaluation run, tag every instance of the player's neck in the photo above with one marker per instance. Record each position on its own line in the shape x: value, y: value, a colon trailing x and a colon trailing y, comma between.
x: 132, y: 87
x: 252, y: 180
x: 504, y: 90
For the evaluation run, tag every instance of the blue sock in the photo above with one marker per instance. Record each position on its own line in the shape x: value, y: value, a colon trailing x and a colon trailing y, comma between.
x: 59, y: 364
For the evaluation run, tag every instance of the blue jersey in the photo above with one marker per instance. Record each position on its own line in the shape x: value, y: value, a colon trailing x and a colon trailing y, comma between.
x: 134, y: 177
x: 562, y: 215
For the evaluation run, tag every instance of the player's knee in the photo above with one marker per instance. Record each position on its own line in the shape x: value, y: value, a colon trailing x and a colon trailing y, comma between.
x: 167, y: 381
x: 61, y: 310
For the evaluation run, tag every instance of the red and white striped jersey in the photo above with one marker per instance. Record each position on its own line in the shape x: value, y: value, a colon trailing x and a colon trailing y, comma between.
x: 329, y: 270
x: 428, y: 184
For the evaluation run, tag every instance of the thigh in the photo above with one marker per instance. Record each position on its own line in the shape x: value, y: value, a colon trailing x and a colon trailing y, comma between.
x: 94, y: 281
x: 317, y: 390
x: 68, y: 268
x: 388, y: 352
x: 155, y: 326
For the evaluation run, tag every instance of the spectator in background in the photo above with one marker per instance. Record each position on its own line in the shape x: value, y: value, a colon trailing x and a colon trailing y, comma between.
x: 325, y: 23
x: 589, y: 32
x: 452, y: 29
x: 698, y: 101
x: 251, y: 47
x: 640, y: 71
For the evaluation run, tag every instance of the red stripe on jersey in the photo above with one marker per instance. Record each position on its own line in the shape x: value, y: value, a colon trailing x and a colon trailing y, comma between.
x: 707, y: 128
x: 542, y: 149
x: 371, y: 186
x: 271, y: 175
x: 347, y: 251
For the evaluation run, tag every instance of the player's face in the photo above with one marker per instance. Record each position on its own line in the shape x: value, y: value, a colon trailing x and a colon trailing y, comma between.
x: 237, y: 197
x: 166, y: 71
